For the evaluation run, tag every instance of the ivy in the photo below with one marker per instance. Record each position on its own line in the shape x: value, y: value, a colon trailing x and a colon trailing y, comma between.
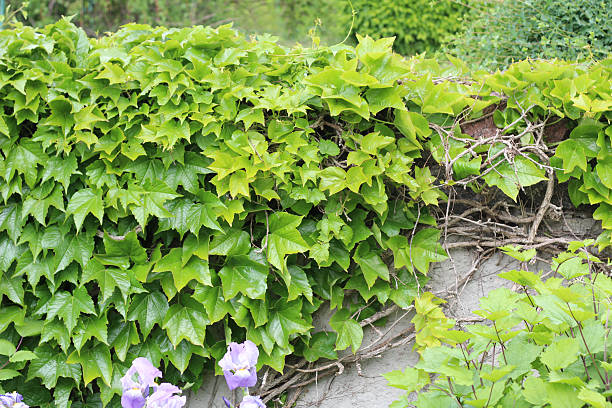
x: 163, y: 190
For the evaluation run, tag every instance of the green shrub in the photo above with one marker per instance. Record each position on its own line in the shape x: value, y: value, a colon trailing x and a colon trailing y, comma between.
x: 514, y: 30
x: 167, y: 190
x: 291, y: 20
x: 545, y: 347
x: 417, y: 25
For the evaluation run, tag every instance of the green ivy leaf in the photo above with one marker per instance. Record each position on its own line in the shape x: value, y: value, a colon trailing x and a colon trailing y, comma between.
x: 96, y: 362
x: 6, y: 348
x: 371, y: 264
x: 284, y: 238
x: 107, y: 278
x: 51, y: 365
x: 11, y: 221
x: 186, y: 322
x: 148, y: 309
x: 84, y: 202
x: 510, y: 177
x: 121, y: 336
x: 286, y: 320
x: 70, y: 306
x: 573, y: 155
x: 321, y: 345
x: 232, y: 242
x: 244, y: 274
x: 349, y: 331
x: 183, y: 272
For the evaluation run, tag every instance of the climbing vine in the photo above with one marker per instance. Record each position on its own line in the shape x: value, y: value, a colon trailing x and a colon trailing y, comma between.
x: 167, y: 191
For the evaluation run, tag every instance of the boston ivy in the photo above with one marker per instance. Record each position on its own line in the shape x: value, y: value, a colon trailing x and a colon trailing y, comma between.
x: 167, y: 191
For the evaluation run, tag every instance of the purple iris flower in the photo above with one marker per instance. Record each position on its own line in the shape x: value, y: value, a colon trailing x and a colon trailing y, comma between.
x: 12, y: 400
x: 251, y: 401
x: 164, y: 397
x: 136, y: 383
x: 239, y: 363
x: 132, y: 398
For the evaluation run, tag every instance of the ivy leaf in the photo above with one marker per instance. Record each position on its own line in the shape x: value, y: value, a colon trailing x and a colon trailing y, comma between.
x: 329, y: 148
x: 244, y: 274
x: 286, y: 320
x: 299, y: 284
x: 604, y: 171
x: 7, y: 374
x: 510, y: 177
x: 180, y: 355
x: 10, y: 221
x: 186, y: 322
x: 57, y: 331
x: 412, y: 125
x: 96, y: 362
x: 113, y: 72
x: 60, y: 113
x: 604, y: 214
x: 51, y: 365
x: 70, y: 306
x: 232, y: 242
x: 38, y: 206
x: 12, y: 288
x: 122, y: 335
x: 573, y: 155
x: 284, y: 238
x: 189, y: 216
x: 6, y: 348
x: 183, y: 273
x: 373, y: 142
x: 8, y: 253
x: 76, y: 248
x: 150, y: 201
x: 129, y: 246
x: 84, y: 202
x: 89, y: 328
x: 61, y: 169
x: 411, y: 379
x: 87, y: 116
x: 108, y: 279
x: 371, y: 264
x: 332, y: 179
x: 61, y: 394
x: 215, y: 304
x: 349, y: 331
x: 321, y: 345
x: 24, y: 158
x: 148, y: 309
x: 425, y: 249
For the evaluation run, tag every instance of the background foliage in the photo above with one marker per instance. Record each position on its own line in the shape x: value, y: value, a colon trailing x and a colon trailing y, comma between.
x: 514, y: 30
x: 167, y: 191
x: 418, y: 25
x: 291, y: 20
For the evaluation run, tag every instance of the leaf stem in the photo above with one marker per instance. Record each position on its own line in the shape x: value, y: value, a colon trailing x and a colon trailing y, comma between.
x: 587, y: 347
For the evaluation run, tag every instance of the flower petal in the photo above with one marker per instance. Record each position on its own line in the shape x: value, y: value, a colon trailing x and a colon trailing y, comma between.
x: 146, y: 371
x: 132, y: 398
x: 252, y: 401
